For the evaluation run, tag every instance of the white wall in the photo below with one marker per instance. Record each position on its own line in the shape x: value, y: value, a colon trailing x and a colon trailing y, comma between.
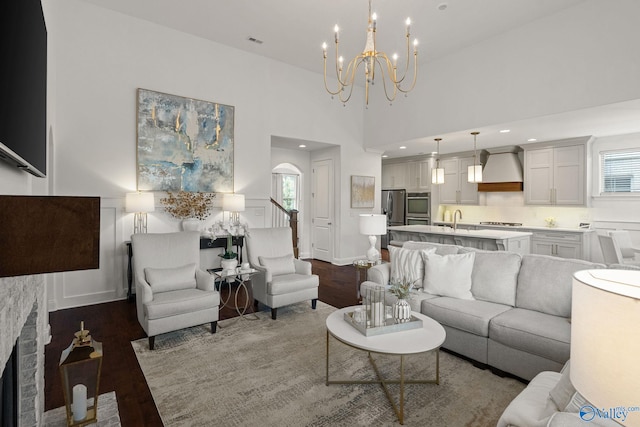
x: 578, y: 58
x: 102, y: 57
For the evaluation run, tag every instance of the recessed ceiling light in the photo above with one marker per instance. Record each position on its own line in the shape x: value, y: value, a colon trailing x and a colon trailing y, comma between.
x: 385, y: 155
x: 302, y: 146
x: 442, y: 6
x: 505, y: 131
x: 403, y: 147
x: 531, y: 140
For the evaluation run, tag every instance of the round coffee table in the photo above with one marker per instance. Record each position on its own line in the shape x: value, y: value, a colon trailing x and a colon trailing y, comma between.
x: 421, y: 340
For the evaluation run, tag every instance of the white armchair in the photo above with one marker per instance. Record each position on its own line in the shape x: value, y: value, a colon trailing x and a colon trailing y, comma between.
x: 622, y: 241
x: 172, y: 292
x: 284, y: 279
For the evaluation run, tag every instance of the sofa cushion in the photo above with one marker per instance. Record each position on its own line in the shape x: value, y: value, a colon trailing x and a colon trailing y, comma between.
x: 441, y: 249
x: 495, y: 276
x: 471, y: 316
x: 533, y: 332
x: 407, y: 264
x: 449, y: 275
x: 278, y: 265
x: 288, y: 283
x: 561, y: 394
x: 544, y: 283
x: 174, y: 303
x: 171, y: 279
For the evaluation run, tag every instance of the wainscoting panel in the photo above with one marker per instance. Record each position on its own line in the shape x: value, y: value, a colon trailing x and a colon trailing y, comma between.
x: 105, y: 284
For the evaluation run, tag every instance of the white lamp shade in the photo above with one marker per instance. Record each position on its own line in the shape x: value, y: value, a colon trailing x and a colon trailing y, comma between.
x: 139, y: 202
x: 233, y: 202
x: 373, y: 224
x: 437, y: 176
x: 605, y: 339
x: 474, y: 173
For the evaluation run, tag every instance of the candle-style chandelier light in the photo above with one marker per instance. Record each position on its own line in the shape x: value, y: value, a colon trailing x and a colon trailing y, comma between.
x: 371, y: 60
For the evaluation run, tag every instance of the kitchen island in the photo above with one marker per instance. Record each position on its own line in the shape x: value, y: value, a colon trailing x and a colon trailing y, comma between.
x: 491, y: 240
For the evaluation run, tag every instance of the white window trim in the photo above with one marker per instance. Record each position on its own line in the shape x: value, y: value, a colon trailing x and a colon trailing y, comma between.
x: 616, y: 143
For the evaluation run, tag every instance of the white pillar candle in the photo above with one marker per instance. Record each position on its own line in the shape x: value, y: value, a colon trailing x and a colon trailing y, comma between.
x: 79, y: 405
x: 377, y: 315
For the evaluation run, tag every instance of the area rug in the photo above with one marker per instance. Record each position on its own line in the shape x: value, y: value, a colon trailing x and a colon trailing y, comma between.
x: 266, y: 372
x: 108, y: 415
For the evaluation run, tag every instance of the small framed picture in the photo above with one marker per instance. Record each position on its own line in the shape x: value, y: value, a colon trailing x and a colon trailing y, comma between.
x: 362, y: 191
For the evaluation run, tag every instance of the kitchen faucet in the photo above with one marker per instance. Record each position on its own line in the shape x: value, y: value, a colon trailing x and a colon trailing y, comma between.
x: 455, y: 216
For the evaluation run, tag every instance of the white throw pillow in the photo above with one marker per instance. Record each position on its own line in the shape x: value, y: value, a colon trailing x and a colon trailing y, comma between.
x: 561, y: 394
x: 171, y: 279
x: 449, y: 275
x: 408, y: 264
x: 278, y: 265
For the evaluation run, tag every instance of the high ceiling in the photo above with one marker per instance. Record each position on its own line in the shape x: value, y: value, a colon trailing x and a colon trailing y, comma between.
x: 292, y: 31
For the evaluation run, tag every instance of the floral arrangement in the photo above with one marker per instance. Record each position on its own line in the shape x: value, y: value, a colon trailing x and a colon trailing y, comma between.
x: 183, y: 204
x: 551, y: 221
x: 230, y: 230
x: 401, y: 288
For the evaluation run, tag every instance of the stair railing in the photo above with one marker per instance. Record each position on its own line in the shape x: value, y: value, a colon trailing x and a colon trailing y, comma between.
x: 280, y: 217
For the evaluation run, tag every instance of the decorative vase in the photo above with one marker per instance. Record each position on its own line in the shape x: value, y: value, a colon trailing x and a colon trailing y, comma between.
x: 191, y: 224
x: 229, y: 264
x: 401, y: 311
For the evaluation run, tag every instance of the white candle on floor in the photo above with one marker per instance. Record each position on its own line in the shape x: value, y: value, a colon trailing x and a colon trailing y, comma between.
x: 79, y: 405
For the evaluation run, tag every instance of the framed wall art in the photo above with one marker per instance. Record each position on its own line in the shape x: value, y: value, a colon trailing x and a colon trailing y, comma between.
x: 183, y: 144
x: 362, y: 191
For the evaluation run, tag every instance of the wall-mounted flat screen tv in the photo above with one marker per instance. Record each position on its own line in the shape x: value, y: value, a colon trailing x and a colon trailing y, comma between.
x: 23, y: 85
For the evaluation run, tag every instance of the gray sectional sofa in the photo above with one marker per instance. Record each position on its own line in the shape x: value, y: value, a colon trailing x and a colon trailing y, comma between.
x: 519, y: 320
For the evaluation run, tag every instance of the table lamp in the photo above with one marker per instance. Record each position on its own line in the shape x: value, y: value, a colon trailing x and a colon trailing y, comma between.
x: 233, y: 203
x: 605, y: 343
x: 373, y: 225
x: 140, y: 203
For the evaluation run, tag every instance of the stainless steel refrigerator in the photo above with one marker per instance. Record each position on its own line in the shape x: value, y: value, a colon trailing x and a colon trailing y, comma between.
x: 393, y: 205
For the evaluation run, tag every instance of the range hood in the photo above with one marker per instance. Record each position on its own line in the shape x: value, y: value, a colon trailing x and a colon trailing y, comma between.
x: 502, y: 172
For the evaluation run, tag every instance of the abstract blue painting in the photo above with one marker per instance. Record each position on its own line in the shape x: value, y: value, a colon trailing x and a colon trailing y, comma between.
x: 184, y: 144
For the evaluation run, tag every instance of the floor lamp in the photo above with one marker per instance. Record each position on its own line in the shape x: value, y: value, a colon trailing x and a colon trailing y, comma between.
x: 373, y: 225
x: 605, y: 343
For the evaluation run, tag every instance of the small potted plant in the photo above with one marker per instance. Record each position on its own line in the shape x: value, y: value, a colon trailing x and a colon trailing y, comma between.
x: 230, y: 230
x: 401, y: 288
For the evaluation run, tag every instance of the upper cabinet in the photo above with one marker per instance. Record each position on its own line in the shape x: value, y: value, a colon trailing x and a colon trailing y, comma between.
x: 413, y: 175
x: 556, y: 175
x: 456, y: 188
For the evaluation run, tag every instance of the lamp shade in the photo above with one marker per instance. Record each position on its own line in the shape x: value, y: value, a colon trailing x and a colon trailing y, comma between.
x: 233, y: 202
x: 373, y: 224
x: 605, y: 341
x: 437, y: 176
x: 474, y: 173
x: 139, y: 202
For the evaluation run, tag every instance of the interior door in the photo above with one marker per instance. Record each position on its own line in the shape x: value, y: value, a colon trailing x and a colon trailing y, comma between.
x: 322, y: 208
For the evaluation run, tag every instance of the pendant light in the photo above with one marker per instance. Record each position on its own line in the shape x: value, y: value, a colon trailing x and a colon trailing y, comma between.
x: 437, y: 174
x: 474, y: 172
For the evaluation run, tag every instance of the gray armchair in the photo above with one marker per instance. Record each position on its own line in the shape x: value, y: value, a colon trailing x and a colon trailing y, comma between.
x: 284, y: 280
x: 172, y: 292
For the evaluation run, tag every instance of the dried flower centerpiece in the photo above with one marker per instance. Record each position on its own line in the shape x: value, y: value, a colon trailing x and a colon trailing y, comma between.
x: 183, y: 205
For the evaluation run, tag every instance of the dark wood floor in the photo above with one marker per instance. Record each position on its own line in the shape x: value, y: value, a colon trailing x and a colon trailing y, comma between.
x: 115, y: 325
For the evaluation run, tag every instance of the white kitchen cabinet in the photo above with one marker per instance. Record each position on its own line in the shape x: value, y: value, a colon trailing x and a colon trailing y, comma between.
x: 456, y: 189
x: 559, y: 243
x: 394, y: 176
x: 419, y: 175
x: 555, y: 175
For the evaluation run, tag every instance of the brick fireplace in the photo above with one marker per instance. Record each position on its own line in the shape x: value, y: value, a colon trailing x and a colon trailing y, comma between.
x: 23, y: 319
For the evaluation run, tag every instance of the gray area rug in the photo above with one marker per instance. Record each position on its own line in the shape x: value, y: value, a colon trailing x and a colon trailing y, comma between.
x: 266, y: 372
x: 108, y: 415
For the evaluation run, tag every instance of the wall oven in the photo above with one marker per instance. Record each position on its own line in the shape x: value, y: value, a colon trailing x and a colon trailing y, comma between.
x: 419, y: 208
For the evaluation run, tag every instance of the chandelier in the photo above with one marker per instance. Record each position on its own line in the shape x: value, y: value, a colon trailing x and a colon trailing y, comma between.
x: 372, y: 61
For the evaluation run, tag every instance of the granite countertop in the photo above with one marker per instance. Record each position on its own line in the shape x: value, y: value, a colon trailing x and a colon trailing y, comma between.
x: 520, y: 227
x: 482, y: 234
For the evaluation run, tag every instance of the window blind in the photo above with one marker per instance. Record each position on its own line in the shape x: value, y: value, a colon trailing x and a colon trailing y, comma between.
x: 620, y: 171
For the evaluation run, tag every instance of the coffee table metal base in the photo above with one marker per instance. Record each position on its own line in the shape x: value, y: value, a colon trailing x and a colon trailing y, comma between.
x: 397, y: 408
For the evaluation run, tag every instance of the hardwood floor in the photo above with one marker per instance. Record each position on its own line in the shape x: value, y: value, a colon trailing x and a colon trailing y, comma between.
x: 115, y: 324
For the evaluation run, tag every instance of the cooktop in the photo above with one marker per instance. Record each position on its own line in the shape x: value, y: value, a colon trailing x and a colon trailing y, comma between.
x: 508, y: 224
